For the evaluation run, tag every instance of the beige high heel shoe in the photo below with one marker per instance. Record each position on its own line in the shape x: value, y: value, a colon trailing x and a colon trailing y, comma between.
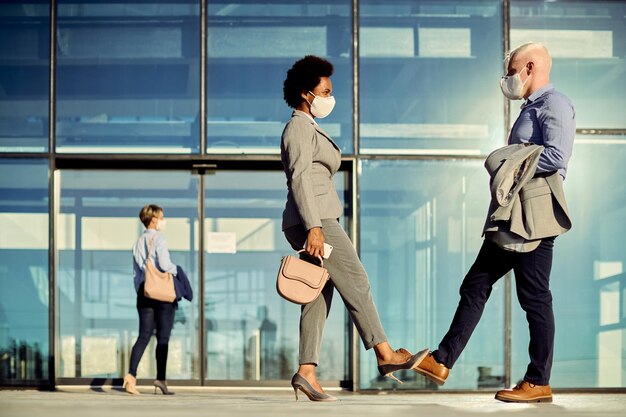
x: 130, y: 383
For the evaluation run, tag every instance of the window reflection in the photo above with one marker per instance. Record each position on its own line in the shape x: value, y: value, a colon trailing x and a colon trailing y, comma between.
x: 96, y: 228
x: 585, y: 283
x: 252, y: 333
x: 251, y: 45
x: 128, y: 77
x: 429, y: 75
x: 24, y: 79
x: 587, y: 42
x: 421, y: 226
x: 23, y: 271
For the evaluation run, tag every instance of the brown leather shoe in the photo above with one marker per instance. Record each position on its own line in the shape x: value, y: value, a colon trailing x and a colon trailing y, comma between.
x: 433, y: 370
x: 525, y: 392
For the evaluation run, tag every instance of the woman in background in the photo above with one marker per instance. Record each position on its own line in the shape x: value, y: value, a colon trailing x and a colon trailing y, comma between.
x: 152, y: 313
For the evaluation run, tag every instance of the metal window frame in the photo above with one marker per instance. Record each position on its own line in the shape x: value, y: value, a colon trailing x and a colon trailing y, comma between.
x: 53, y: 199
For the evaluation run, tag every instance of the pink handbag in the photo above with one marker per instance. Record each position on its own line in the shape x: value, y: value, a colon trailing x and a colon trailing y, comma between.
x: 300, y: 281
x: 158, y: 285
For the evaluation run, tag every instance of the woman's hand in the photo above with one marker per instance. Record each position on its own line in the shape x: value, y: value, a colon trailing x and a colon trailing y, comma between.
x: 315, y: 242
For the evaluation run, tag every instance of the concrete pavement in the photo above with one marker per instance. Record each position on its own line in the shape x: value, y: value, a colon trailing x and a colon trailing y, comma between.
x: 86, y: 402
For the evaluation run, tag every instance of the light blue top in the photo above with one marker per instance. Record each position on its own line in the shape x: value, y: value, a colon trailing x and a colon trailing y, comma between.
x: 160, y: 256
x: 547, y: 118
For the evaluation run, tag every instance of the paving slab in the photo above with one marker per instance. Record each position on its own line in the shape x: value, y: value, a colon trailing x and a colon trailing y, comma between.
x: 188, y: 402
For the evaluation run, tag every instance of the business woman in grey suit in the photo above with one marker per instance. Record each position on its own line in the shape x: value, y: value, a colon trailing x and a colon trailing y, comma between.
x: 310, y: 159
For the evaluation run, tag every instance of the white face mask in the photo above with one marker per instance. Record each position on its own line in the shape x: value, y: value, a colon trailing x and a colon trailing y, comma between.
x: 512, y: 86
x: 322, y: 106
x: 161, y: 224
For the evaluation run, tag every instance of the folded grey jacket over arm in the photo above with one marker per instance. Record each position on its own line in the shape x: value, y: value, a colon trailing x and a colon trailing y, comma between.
x: 523, y: 209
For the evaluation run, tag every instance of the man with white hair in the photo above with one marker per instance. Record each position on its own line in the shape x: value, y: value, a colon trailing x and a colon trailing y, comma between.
x: 547, y: 118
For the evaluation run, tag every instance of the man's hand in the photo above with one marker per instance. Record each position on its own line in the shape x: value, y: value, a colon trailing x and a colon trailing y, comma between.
x: 315, y: 242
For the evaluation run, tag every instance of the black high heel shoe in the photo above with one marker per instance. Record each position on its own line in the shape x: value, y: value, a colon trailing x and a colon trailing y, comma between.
x: 162, y: 385
x: 299, y: 383
x: 388, y: 369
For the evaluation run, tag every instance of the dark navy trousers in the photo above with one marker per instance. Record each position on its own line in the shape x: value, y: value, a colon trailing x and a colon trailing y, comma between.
x: 154, y: 316
x: 532, y: 282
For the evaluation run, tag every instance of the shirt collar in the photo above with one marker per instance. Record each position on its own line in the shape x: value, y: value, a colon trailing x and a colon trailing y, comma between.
x: 534, y: 96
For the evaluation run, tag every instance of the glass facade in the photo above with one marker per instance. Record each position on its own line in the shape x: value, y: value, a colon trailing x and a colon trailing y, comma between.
x: 24, y: 298
x: 147, y: 111
x: 128, y: 77
x: 24, y: 76
x: 421, y: 64
x: 249, y: 330
x: 97, y: 225
x: 251, y: 333
x: 587, y: 279
x: 587, y: 41
x: 250, y: 47
x: 421, y: 225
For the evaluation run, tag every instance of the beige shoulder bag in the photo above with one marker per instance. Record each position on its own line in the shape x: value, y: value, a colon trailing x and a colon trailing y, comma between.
x: 158, y: 285
x: 300, y: 281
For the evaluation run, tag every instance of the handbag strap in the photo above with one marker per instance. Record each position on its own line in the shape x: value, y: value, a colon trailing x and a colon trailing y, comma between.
x: 319, y: 257
x: 150, y: 250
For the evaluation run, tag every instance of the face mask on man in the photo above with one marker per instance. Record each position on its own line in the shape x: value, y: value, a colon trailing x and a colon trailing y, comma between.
x: 512, y: 86
x: 321, y: 106
x: 161, y: 224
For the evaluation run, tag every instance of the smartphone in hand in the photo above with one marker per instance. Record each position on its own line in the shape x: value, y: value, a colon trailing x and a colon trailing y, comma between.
x: 327, y: 249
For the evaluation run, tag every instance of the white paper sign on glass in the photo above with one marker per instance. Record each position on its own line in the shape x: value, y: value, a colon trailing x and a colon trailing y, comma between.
x: 221, y: 242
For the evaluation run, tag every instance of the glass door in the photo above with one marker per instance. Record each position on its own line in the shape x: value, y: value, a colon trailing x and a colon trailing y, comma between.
x: 252, y: 333
x: 248, y: 333
x: 96, y: 228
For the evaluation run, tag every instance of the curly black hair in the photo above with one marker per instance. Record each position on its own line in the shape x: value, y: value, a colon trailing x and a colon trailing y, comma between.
x: 304, y: 75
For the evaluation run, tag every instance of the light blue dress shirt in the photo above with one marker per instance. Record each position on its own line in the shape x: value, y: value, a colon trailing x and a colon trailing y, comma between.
x: 547, y: 118
x: 159, y: 256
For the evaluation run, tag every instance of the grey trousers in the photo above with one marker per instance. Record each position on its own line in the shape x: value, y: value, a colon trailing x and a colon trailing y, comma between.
x: 349, y: 277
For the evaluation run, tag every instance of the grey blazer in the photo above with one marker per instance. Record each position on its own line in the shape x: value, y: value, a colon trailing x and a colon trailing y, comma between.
x: 523, y: 209
x: 310, y: 159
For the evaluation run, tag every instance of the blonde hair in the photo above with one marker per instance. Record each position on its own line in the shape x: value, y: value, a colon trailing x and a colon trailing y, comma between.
x: 148, y: 213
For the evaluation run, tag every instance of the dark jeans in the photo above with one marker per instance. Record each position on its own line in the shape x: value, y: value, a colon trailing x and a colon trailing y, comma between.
x: 532, y: 280
x: 153, y: 315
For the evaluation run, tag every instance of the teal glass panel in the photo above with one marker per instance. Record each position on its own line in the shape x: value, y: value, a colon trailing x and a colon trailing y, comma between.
x: 421, y: 225
x: 127, y: 77
x: 97, y: 226
x: 588, y: 274
x: 250, y: 47
x: 24, y: 281
x: 429, y: 75
x: 24, y: 75
x: 251, y: 332
x: 587, y: 41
